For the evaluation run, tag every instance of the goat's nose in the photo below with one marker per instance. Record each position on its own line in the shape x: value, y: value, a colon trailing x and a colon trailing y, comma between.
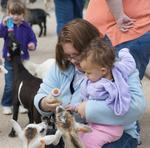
x: 59, y: 109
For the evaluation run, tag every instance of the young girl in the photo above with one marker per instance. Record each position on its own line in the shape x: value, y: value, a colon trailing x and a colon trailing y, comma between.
x: 24, y: 35
x: 106, y: 81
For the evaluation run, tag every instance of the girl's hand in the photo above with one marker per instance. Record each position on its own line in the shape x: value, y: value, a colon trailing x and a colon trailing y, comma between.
x: 48, y: 104
x: 31, y: 46
x: 81, y: 109
x: 4, y: 20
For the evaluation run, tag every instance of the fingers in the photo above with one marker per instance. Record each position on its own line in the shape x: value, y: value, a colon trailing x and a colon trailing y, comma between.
x: 49, y: 104
x: 125, y: 28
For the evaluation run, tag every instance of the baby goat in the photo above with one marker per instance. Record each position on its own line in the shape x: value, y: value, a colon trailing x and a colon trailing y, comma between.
x: 37, y: 16
x: 68, y: 129
x: 31, y: 135
x: 25, y: 86
x: 39, y: 70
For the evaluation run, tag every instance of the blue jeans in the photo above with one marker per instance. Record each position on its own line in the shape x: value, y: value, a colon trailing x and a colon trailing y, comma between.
x: 67, y: 10
x: 140, y: 50
x: 7, y: 95
x: 126, y: 141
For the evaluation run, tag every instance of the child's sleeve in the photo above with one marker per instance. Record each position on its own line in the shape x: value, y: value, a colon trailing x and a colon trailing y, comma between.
x: 32, y: 38
x: 126, y: 63
x: 3, y: 30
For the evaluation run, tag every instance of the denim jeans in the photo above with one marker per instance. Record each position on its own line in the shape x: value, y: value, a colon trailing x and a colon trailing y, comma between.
x: 140, y: 50
x: 126, y: 141
x: 67, y: 10
x: 7, y: 95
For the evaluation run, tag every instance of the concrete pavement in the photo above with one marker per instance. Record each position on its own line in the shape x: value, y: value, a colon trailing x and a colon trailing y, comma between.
x: 46, y: 46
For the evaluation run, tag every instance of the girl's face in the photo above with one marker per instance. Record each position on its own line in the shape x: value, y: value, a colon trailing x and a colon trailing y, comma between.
x: 92, y: 71
x: 17, y: 18
x: 71, y: 54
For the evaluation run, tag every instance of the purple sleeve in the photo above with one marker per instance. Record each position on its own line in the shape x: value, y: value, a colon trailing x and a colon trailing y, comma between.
x: 32, y: 37
x: 3, y: 30
x: 126, y: 63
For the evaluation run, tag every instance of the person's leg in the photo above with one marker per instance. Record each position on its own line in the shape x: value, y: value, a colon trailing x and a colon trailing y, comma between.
x: 64, y: 12
x: 140, y: 50
x: 78, y: 6
x: 126, y: 141
x: 7, y: 95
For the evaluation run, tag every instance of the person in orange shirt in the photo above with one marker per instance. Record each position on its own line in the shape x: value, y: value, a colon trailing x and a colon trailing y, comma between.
x: 127, y: 24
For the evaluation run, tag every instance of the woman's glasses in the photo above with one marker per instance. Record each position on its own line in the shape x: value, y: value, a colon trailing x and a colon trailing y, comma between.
x: 72, y: 57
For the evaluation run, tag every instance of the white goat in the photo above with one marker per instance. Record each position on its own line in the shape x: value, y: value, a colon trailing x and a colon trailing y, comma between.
x: 68, y: 129
x: 38, y: 70
x: 31, y: 135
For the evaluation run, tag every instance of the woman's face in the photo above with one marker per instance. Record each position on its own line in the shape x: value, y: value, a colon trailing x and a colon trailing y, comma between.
x: 71, y: 54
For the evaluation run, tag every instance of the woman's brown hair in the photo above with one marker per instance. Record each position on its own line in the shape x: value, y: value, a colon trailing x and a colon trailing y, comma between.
x: 79, y: 32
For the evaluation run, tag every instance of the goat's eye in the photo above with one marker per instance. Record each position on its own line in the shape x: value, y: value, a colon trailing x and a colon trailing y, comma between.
x: 42, y: 130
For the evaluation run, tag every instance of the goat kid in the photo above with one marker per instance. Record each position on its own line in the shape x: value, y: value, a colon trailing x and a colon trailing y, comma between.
x: 31, y: 135
x: 25, y: 86
x: 68, y: 129
x: 39, y: 70
x: 37, y: 16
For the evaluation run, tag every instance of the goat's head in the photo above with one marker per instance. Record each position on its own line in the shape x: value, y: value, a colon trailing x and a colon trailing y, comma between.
x: 32, y: 132
x: 65, y: 120
x: 13, y: 46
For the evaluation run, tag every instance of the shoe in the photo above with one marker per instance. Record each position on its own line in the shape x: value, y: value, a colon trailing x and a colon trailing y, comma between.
x: 7, y: 110
x: 22, y: 110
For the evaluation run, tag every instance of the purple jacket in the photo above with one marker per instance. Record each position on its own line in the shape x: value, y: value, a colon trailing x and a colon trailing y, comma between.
x: 115, y: 93
x: 23, y: 33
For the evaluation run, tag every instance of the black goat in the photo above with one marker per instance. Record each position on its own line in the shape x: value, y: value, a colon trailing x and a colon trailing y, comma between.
x: 25, y: 86
x: 37, y: 16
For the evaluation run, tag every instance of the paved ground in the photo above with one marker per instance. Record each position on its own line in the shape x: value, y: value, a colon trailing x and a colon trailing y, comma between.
x: 45, y: 50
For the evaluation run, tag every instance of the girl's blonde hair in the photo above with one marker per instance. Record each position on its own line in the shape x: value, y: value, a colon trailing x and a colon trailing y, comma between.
x: 79, y: 33
x: 16, y: 7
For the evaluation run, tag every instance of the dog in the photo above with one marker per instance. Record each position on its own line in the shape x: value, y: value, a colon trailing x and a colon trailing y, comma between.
x: 31, y: 135
x: 68, y: 129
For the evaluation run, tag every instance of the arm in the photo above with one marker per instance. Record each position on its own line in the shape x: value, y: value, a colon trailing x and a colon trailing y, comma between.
x: 32, y: 43
x: 3, y: 30
x: 126, y: 63
x: 55, y: 78
x: 41, y: 101
x: 99, y: 112
x: 123, y: 21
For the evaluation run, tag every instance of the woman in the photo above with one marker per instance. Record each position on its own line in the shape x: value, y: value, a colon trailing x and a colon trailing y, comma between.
x: 67, y: 75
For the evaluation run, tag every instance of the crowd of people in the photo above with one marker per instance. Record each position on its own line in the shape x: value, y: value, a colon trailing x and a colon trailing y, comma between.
x: 100, y: 61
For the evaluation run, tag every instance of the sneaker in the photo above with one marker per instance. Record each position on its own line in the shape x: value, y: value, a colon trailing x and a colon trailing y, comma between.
x: 22, y: 110
x: 7, y: 110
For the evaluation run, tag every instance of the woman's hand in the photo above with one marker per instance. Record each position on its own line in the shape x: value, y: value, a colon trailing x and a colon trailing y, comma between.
x: 49, y: 105
x: 125, y: 23
x: 81, y: 109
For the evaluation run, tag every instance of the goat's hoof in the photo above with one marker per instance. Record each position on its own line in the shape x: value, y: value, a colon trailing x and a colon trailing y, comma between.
x: 12, y: 134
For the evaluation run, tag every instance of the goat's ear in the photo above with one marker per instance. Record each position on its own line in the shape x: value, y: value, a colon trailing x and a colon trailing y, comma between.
x: 17, y: 128
x: 82, y: 128
x: 52, y: 139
